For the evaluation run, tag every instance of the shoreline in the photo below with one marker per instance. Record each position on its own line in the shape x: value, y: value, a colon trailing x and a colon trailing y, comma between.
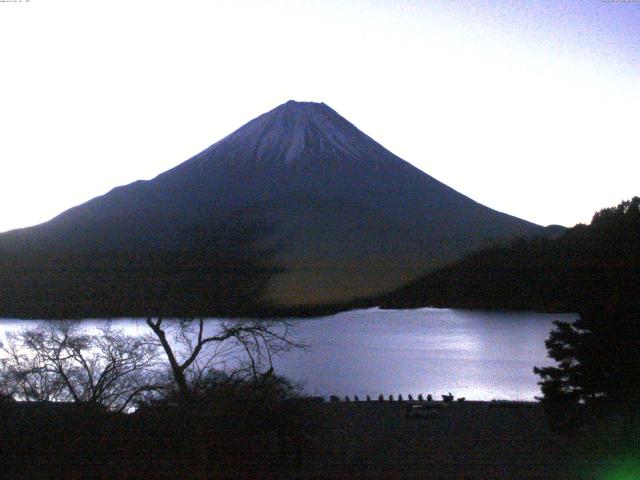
x: 467, y: 440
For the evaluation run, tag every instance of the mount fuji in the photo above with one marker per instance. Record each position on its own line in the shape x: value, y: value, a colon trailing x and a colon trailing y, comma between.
x: 327, y: 216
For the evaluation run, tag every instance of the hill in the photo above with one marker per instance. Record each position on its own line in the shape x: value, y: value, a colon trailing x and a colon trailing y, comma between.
x: 586, y: 265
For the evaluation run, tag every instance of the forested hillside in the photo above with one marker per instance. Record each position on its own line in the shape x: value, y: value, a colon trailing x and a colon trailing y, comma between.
x: 595, y: 263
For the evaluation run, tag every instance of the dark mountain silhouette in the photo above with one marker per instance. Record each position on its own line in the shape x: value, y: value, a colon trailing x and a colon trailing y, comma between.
x: 326, y: 214
x: 596, y: 264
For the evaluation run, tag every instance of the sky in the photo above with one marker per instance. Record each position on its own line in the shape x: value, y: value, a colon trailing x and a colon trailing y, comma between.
x: 529, y: 107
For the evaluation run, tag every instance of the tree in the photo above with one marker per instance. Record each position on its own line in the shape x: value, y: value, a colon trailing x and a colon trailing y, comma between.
x: 244, y: 348
x: 563, y: 272
x: 598, y: 364
x: 626, y: 212
x: 61, y: 361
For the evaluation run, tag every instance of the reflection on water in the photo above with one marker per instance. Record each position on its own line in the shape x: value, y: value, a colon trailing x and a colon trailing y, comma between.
x: 477, y: 355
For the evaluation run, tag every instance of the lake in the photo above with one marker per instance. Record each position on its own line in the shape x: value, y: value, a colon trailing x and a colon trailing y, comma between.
x: 474, y: 354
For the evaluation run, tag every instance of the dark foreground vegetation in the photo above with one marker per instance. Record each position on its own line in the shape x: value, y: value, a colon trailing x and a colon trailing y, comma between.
x: 252, y: 437
x: 587, y: 264
x: 596, y: 371
x: 177, y: 399
x: 245, y: 430
x: 107, y: 404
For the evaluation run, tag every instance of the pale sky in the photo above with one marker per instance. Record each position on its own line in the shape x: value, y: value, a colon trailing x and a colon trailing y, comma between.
x: 530, y: 108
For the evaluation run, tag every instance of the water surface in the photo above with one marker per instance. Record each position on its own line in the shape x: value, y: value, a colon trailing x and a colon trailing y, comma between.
x: 478, y: 355
x: 472, y: 354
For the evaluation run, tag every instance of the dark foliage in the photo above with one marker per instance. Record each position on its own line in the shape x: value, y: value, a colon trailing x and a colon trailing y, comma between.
x: 598, y: 263
x: 245, y: 430
x: 72, y: 386
x: 598, y: 364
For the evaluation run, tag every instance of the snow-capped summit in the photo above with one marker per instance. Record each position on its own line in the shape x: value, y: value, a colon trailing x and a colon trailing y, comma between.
x: 342, y: 217
x: 296, y: 131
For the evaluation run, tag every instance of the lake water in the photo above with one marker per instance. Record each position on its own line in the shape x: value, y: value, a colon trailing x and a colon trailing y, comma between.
x: 472, y: 354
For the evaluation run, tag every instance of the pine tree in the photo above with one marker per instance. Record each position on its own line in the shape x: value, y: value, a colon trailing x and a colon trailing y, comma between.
x: 598, y: 366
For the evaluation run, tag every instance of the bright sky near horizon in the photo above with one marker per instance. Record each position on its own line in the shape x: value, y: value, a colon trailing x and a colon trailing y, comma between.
x: 528, y: 107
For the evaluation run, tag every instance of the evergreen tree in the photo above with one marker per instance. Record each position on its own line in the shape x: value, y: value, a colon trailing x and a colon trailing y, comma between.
x: 598, y: 366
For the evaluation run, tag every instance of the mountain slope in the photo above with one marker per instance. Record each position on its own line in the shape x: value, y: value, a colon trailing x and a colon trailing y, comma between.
x: 341, y: 217
x: 587, y: 265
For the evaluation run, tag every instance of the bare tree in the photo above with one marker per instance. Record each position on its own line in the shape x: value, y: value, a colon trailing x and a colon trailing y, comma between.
x: 244, y: 348
x: 60, y: 361
x: 23, y: 376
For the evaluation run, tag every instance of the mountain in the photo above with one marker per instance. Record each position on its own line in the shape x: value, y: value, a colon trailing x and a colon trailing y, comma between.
x: 325, y: 213
x: 568, y: 270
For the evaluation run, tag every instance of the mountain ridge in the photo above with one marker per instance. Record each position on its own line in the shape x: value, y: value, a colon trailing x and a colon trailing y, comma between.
x: 344, y: 218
